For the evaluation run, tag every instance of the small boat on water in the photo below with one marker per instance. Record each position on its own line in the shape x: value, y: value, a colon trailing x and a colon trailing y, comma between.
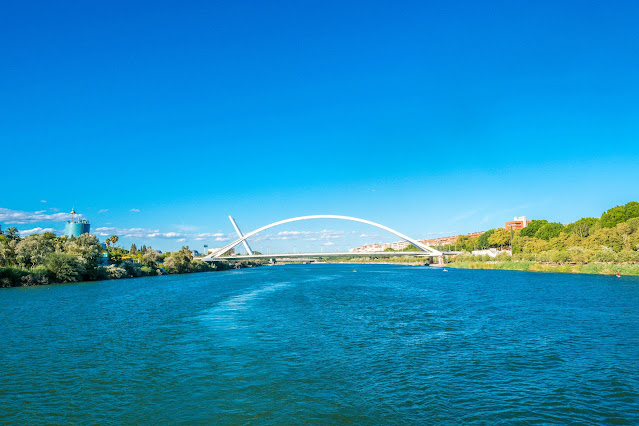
x: 354, y: 270
x: 445, y: 270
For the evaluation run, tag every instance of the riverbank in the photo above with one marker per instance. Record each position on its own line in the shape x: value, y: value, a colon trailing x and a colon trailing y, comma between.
x: 589, y: 268
x: 20, y: 277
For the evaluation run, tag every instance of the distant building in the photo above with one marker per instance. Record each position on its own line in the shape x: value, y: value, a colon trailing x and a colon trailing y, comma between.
x: 400, y: 245
x: 369, y: 248
x: 440, y: 241
x: 517, y: 223
x: 75, y: 228
x: 475, y: 234
x: 443, y: 241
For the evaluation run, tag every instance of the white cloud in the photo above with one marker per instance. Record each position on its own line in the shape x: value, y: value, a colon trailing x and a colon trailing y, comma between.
x: 147, y: 233
x: 329, y: 243
x: 19, y: 217
x: 135, y: 210
x: 38, y: 230
x: 105, y: 231
x: 43, y: 201
x: 295, y: 233
x: 103, y: 211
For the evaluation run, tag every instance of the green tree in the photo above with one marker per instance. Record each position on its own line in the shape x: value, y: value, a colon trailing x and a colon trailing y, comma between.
x: 7, y: 251
x: 12, y: 233
x: 631, y: 210
x: 179, y: 262
x: 584, y: 226
x: 613, y: 217
x: 32, y: 250
x: 87, y: 250
x: 134, y: 249
x: 532, y: 228
x: 471, y: 244
x: 605, y: 238
x: 535, y: 245
x: 549, y: 230
x: 461, y: 243
x: 499, y: 238
x: 482, y: 240
x: 64, y: 267
x: 114, y: 239
x: 150, y: 258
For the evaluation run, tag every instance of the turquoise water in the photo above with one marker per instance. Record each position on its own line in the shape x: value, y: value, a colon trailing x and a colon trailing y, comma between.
x: 322, y: 344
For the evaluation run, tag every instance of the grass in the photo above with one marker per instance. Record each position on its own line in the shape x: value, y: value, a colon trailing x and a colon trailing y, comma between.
x: 590, y: 268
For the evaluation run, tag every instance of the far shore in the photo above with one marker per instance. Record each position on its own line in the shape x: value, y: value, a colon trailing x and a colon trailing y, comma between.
x: 530, y: 266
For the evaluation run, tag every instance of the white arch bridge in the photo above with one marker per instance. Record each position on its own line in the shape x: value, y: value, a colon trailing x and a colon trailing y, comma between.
x: 218, y: 254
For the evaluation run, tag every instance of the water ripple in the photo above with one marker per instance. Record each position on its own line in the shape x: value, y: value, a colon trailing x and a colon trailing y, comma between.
x: 321, y: 344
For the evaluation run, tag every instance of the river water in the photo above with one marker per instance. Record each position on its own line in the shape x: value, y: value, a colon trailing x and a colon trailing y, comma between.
x: 323, y: 344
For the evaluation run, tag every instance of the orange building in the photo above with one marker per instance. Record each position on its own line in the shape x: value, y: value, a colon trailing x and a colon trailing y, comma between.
x: 517, y: 223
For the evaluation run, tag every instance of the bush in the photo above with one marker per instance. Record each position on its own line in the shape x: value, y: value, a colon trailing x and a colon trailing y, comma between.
x: 147, y: 270
x: 561, y: 256
x: 199, y: 266
x: 64, y: 267
x: 115, y: 272
x: 605, y: 256
x: 132, y: 269
x: 37, y: 276
x: 628, y: 256
x: 503, y: 257
x: 12, y: 277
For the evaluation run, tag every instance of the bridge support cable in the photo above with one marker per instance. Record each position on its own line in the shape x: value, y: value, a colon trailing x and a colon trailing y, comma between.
x: 422, y: 247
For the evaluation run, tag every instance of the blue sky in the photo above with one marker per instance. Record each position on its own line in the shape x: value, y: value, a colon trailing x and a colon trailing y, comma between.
x: 430, y: 118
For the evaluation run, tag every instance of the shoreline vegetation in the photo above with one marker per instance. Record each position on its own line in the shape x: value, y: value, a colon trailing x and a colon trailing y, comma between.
x: 596, y: 268
x: 590, y: 245
x: 42, y: 259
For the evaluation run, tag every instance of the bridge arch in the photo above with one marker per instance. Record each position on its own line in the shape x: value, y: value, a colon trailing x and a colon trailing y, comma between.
x: 239, y: 241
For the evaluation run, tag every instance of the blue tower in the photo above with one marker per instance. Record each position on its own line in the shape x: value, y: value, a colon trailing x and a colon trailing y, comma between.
x: 75, y: 228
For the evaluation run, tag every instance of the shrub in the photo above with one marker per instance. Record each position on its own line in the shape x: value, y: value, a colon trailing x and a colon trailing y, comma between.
x: 12, y: 277
x: 64, y: 267
x: 132, y: 269
x: 605, y: 256
x: 115, y: 272
x: 37, y: 276
x: 147, y: 270
x: 560, y: 256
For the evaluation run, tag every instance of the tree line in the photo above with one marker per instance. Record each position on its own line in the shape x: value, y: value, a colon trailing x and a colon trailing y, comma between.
x: 612, y: 237
x: 45, y: 258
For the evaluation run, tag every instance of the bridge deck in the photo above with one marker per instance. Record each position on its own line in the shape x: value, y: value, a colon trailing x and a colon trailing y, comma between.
x: 318, y: 255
